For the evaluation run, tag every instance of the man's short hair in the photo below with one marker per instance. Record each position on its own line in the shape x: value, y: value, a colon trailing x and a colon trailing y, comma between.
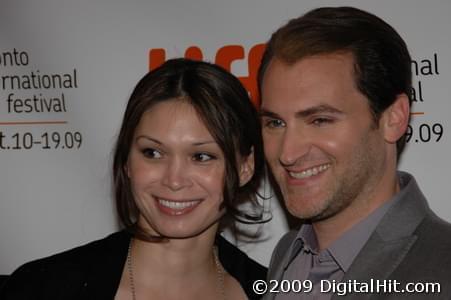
x: 382, y: 62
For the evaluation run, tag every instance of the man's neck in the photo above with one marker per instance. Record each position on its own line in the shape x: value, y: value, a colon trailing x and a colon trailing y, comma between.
x: 329, y: 230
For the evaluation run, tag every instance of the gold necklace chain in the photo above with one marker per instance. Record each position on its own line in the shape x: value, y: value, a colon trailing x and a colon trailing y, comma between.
x: 219, y: 270
x: 130, y: 269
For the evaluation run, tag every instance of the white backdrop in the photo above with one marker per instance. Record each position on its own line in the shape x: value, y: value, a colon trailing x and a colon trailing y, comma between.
x: 56, y: 136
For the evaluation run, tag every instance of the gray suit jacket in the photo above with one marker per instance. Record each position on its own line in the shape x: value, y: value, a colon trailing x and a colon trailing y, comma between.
x: 410, y: 244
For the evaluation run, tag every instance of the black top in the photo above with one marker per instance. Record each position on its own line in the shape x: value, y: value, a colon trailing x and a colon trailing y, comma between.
x: 93, y: 271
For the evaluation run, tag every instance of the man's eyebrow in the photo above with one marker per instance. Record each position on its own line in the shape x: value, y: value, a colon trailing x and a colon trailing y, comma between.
x: 318, y: 109
x: 322, y: 108
x: 266, y: 113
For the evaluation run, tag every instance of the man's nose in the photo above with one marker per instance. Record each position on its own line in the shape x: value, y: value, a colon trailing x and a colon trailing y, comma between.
x: 295, y: 144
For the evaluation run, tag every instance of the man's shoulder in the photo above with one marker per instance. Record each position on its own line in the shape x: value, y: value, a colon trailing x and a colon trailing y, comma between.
x: 434, y: 232
x: 428, y: 259
x: 285, y: 242
x: 413, y: 211
x: 281, y: 251
x: 289, y: 237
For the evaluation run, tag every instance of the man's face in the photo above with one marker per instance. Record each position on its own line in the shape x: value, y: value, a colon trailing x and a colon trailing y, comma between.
x: 321, y: 142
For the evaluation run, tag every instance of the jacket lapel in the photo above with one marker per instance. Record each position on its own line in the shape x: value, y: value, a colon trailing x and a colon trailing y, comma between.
x: 282, y: 255
x: 377, y: 260
x: 391, y: 241
x: 105, y: 265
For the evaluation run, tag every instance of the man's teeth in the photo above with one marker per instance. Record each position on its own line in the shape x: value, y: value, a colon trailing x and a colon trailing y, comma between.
x: 177, y: 204
x: 309, y: 172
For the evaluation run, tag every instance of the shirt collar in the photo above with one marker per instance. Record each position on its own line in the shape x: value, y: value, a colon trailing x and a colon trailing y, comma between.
x: 305, y: 239
x: 346, y: 248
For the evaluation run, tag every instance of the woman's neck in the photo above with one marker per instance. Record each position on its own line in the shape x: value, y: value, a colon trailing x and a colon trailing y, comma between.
x: 175, y: 257
x: 169, y: 269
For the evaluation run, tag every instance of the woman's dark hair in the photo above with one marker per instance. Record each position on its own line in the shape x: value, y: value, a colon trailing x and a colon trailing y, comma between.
x: 223, y: 105
x: 382, y: 61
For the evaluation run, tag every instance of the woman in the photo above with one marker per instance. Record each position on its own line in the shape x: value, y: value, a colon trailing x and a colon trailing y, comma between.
x: 189, y: 152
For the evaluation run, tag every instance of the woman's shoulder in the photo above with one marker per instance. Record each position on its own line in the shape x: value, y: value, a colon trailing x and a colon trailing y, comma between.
x: 231, y: 256
x: 78, y: 256
x: 238, y: 264
x: 65, y: 271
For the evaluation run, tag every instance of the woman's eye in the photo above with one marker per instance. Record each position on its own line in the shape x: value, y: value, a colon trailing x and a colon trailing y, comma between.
x: 203, y: 157
x: 152, y: 153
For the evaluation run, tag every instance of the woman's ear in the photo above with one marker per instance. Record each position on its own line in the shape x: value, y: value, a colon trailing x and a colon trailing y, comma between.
x: 396, y: 118
x: 247, y: 166
x: 127, y: 170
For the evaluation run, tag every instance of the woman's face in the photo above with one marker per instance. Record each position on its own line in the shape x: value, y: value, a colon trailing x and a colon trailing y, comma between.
x: 176, y: 170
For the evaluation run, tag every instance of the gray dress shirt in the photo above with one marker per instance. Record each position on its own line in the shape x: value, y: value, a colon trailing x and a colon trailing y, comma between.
x: 329, y: 265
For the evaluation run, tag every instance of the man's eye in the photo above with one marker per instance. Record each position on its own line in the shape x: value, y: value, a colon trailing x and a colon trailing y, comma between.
x: 273, y: 123
x: 203, y: 157
x: 322, y: 121
x: 152, y: 153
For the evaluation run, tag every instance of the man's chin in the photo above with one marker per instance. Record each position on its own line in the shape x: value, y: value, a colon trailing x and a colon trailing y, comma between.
x: 302, y: 213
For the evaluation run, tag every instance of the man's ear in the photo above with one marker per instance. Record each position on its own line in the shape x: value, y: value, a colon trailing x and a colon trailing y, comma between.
x: 396, y: 118
x: 247, y: 167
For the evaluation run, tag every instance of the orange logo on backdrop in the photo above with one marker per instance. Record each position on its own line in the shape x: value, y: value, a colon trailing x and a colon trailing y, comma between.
x: 225, y: 56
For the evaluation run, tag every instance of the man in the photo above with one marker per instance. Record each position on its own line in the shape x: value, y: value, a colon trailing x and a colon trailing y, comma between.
x: 335, y: 106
